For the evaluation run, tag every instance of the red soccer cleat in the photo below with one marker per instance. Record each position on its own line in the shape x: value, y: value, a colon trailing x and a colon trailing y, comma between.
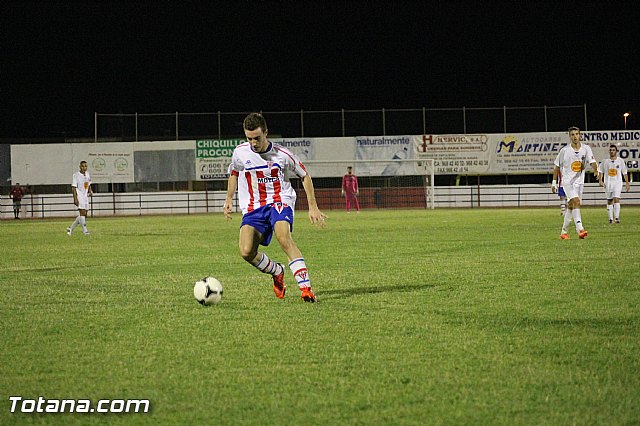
x: 583, y: 234
x: 307, y: 295
x: 564, y: 236
x: 278, y: 284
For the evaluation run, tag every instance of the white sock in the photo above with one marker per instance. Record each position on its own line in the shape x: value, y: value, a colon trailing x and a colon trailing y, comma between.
x: 567, y: 221
x: 75, y: 223
x: 563, y: 206
x: 83, y: 223
x: 610, y: 211
x: 616, y: 210
x: 299, y: 269
x: 268, y: 266
x: 577, y: 218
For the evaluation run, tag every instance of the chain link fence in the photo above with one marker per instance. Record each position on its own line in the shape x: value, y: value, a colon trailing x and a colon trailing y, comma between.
x: 336, y: 123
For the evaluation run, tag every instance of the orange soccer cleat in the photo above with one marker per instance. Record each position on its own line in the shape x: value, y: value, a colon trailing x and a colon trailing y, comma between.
x: 279, y: 288
x: 583, y: 234
x: 564, y: 236
x: 307, y: 295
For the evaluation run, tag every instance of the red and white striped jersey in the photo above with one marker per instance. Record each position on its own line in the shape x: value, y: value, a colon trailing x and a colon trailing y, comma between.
x: 262, y: 177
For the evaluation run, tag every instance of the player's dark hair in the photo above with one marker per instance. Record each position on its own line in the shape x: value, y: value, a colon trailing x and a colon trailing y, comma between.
x: 574, y: 128
x: 254, y: 121
x: 614, y: 146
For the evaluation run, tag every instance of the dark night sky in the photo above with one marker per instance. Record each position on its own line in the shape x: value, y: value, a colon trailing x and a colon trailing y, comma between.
x: 62, y: 61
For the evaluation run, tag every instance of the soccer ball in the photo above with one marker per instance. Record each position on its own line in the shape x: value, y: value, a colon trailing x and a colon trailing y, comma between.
x: 208, y: 291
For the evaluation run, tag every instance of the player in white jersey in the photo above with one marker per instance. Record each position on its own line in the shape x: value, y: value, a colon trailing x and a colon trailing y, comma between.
x: 81, y: 187
x: 572, y: 161
x: 612, y: 171
x: 258, y: 170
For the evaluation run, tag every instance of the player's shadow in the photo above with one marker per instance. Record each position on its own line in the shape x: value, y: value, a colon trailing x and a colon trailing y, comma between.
x: 358, y: 291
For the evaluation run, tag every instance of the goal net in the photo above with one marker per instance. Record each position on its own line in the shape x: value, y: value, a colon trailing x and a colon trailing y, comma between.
x: 382, y: 184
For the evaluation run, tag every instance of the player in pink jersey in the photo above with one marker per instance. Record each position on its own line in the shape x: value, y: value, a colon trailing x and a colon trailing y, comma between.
x: 258, y: 170
x: 350, y: 190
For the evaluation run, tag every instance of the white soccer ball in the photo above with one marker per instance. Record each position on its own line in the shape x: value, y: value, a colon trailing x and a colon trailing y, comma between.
x: 208, y: 291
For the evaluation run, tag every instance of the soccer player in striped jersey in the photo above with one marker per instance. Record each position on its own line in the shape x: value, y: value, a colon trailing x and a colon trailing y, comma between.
x: 258, y: 171
x: 612, y: 171
x: 571, y: 162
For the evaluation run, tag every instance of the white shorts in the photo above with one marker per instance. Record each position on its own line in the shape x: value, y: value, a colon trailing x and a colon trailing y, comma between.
x: 574, y: 190
x: 613, y: 191
x: 83, y: 203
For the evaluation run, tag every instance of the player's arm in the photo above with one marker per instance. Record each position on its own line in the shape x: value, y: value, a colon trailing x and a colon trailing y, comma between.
x: 315, y: 215
x: 232, y: 185
x: 626, y: 181
x: 554, y: 182
x: 75, y: 195
x: 601, y: 174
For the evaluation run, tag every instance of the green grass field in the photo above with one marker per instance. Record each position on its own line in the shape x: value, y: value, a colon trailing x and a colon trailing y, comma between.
x: 479, y: 316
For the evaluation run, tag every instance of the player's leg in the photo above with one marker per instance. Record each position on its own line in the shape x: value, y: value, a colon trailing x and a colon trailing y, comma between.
x: 297, y: 264
x: 610, y: 209
x: 575, y: 192
x: 83, y: 221
x: 563, y: 201
x: 616, y: 209
x: 255, y: 230
x: 75, y: 223
x: 249, y: 241
x: 568, y: 214
x: 356, y: 203
x: 347, y: 202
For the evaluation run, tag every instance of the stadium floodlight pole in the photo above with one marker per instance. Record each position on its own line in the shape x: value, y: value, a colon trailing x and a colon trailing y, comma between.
x: 625, y: 115
x: 177, y: 129
x: 95, y: 126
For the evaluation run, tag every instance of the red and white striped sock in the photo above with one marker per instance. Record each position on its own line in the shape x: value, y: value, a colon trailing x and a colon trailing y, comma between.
x: 299, y: 269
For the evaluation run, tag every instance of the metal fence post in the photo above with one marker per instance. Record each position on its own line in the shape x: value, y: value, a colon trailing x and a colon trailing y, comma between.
x: 504, y: 118
x: 464, y: 120
x: 586, y: 127
x: 384, y: 123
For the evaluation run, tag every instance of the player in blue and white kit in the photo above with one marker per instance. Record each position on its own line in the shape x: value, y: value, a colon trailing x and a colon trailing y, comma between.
x: 258, y: 170
x: 81, y: 186
x: 612, y: 171
x: 572, y: 161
